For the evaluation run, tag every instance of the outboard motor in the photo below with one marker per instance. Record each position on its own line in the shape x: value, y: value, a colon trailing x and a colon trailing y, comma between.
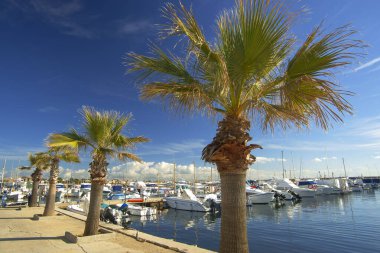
x: 108, y: 215
x: 210, y: 200
x: 295, y: 195
x: 278, y: 196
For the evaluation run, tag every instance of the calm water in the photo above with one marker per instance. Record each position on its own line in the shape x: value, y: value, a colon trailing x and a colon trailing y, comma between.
x: 349, y: 223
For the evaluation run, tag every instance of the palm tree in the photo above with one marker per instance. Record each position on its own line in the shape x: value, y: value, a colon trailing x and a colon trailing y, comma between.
x: 36, y: 162
x: 52, y: 157
x: 252, y: 72
x: 103, y: 136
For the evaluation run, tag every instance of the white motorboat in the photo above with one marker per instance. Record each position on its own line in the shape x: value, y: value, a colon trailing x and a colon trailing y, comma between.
x: 189, y: 202
x: 356, y: 188
x: 141, y: 210
x: 338, y: 185
x: 286, y: 184
x: 59, y: 196
x: 85, y: 187
x: 76, y: 209
x: 106, y: 190
x: 15, y: 196
x: 81, y: 208
x: 284, y: 194
x: 257, y: 196
x: 324, y: 190
x: 60, y: 187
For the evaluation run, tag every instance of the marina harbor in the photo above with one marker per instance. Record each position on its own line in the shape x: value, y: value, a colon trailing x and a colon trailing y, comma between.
x: 277, y: 210
x: 236, y: 126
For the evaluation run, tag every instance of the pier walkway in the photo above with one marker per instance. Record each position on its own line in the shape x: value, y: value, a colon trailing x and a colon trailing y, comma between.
x: 20, y: 233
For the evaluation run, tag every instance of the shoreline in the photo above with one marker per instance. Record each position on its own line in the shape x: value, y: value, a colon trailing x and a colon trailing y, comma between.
x: 48, y: 234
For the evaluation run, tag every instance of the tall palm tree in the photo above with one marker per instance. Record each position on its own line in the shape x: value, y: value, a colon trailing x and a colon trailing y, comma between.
x: 53, y: 156
x: 35, y: 161
x: 252, y: 72
x: 102, y: 134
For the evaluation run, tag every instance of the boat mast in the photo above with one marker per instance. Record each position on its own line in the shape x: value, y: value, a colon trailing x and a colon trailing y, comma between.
x: 174, y: 179
x: 282, y: 162
x: 194, y: 175
x: 2, y: 175
x: 294, y: 171
x: 344, y: 167
x: 211, y: 174
x: 327, y: 165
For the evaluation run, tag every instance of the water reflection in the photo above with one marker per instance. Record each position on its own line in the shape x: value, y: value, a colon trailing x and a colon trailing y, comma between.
x: 322, y: 224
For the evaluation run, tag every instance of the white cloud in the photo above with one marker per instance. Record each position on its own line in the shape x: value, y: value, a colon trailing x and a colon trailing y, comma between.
x: 67, y: 173
x: 376, y: 157
x: 162, y: 170
x: 62, y: 14
x: 131, y: 27
x: 321, y: 159
x: 263, y: 160
x: 368, y: 64
x: 186, y: 147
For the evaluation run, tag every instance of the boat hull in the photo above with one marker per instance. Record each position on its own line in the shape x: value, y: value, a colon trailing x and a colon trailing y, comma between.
x: 185, y: 204
x: 260, y: 198
x: 304, y: 193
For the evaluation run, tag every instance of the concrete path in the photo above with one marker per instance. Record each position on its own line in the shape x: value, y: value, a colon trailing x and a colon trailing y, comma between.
x: 19, y: 233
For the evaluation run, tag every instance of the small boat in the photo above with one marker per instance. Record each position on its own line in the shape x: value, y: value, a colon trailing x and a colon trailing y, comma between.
x: 286, y: 184
x: 141, y: 210
x: 76, y: 209
x: 257, y: 196
x: 136, y: 200
x: 16, y: 196
x: 106, y: 190
x: 85, y: 187
x: 114, y: 196
x: 189, y: 202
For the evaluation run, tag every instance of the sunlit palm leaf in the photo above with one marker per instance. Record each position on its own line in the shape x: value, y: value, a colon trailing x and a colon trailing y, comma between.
x: 251, y: 70
x: 125, y: 156
x: 102, y: 133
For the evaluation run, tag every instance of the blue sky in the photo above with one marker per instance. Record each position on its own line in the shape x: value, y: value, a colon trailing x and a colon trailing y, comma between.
x: 59, y: 55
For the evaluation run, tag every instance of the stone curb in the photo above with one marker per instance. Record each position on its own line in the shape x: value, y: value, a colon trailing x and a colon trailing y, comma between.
x: 142, y: 237
x: 103, y: 236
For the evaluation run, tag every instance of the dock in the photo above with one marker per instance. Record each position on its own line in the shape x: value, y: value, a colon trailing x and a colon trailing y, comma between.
x: 22, y: 233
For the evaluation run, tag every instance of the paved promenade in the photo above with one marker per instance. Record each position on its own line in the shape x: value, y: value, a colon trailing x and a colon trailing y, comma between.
x: 19, y: 233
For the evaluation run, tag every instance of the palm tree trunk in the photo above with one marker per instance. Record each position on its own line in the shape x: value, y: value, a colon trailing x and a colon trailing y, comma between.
x: 50, y: 198
x: 98, y: 175
x: 92, y: 222
x: 230, y: 151
x: 36, y: 177
x: 234, y: 219
x: 33, y: 201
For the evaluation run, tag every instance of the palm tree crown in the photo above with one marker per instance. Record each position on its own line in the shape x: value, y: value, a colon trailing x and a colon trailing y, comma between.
x: 102, y: 133
x: 38, y: 160
x: 252, y: 70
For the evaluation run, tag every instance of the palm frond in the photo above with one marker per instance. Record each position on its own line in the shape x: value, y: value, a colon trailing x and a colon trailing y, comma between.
x: 71, y: 139
x: 180, y: 97
x: 254, y: 39
x: 159, y: 63
x: 183, y: 23
x: 250, y: 70
x: 69, y: 156
x: 123, y: 156
x: 320, y: 54
x: 124, y: 142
